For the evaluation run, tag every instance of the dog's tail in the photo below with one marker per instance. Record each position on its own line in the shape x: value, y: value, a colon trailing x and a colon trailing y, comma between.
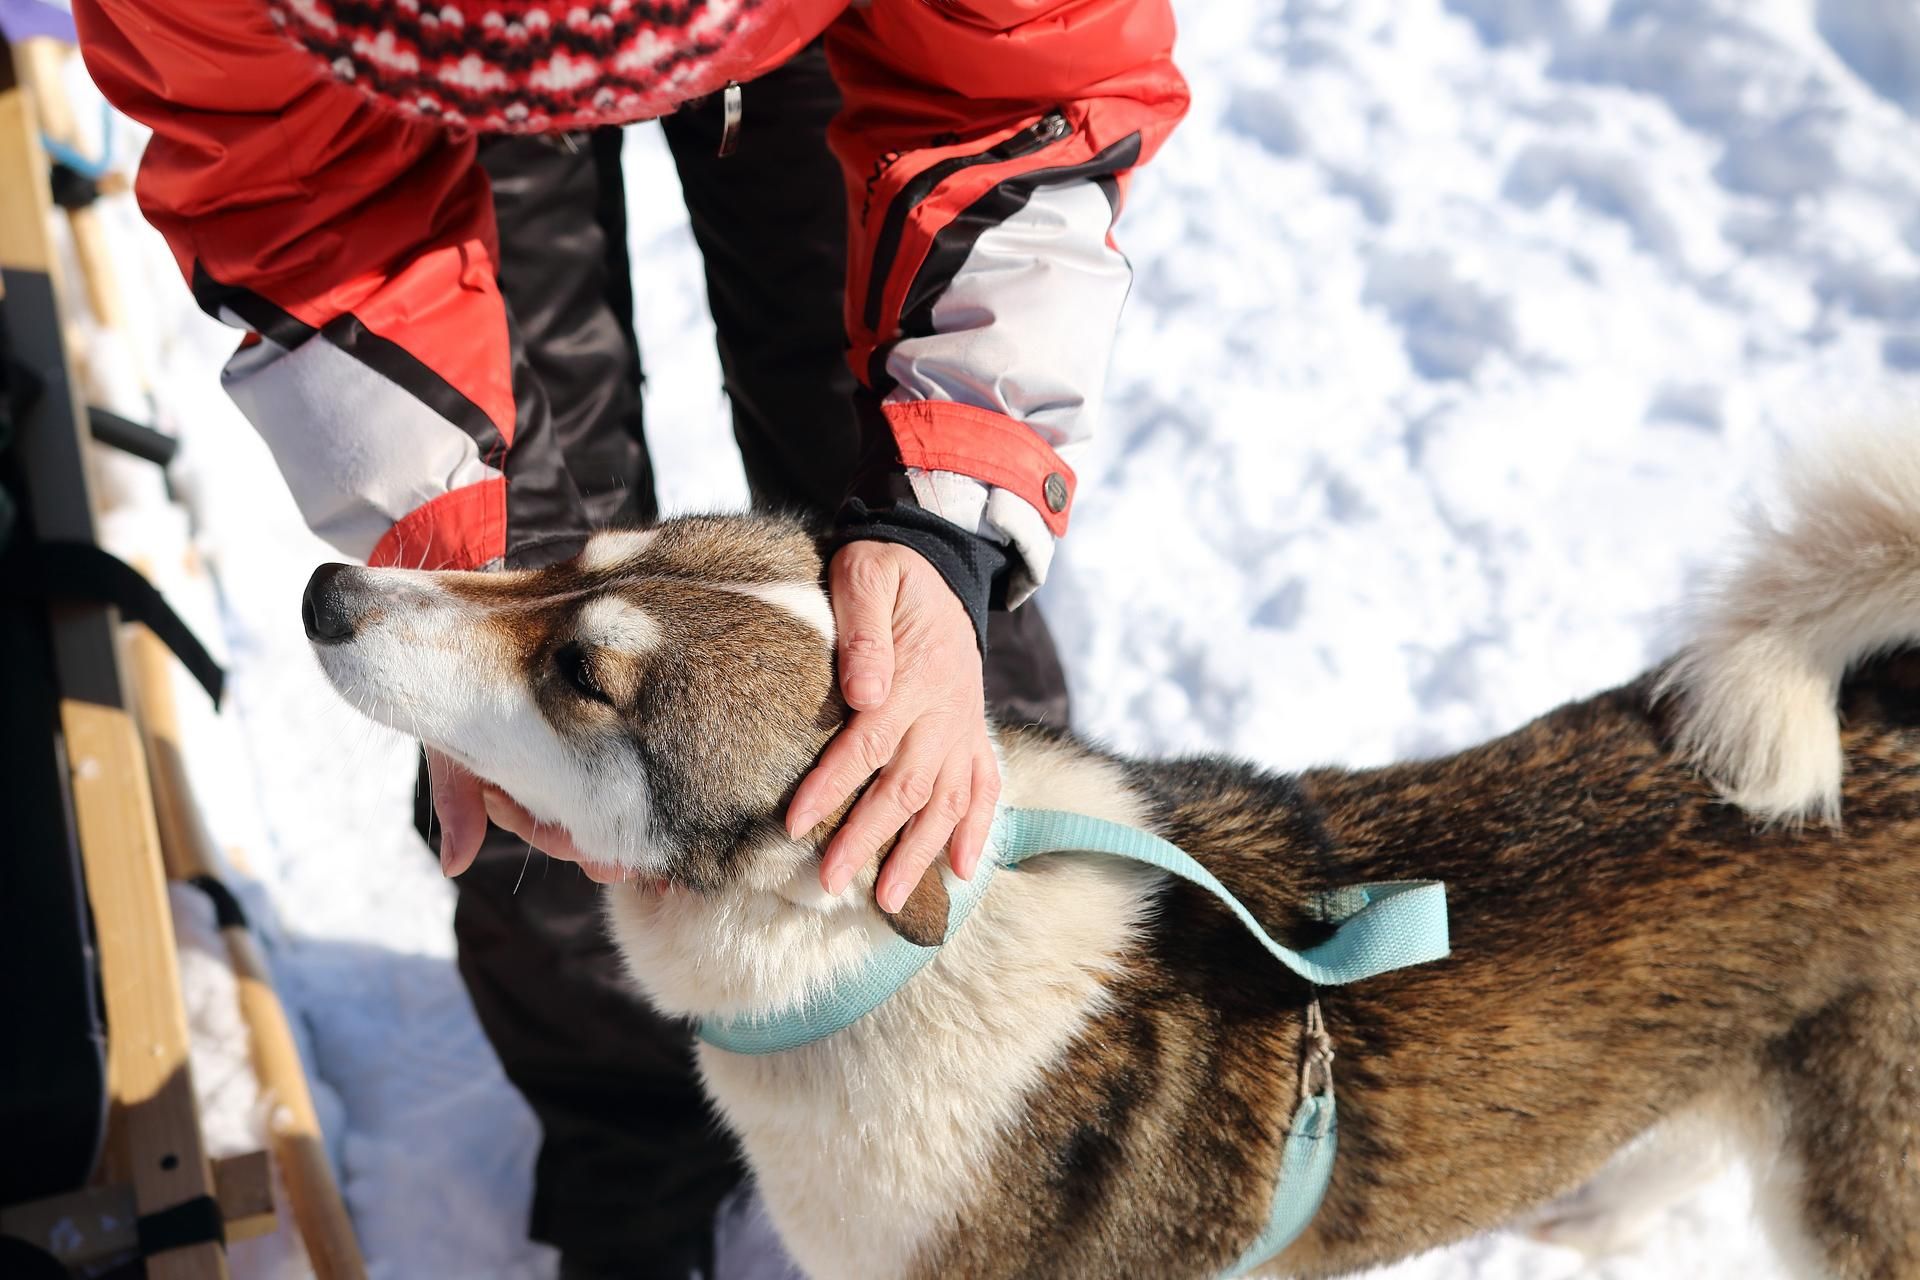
x: 1831, y: 578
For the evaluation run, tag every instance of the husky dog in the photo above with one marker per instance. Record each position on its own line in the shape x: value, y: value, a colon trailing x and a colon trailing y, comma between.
x: 1697, y: 895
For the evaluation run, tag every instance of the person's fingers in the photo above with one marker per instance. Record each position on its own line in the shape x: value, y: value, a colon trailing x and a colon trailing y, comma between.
x: 856, y: 753
x: 463, y: 817
x: 903, y: 789
x: 606, y: 872
x: 863, y: 585
x: 926, y: 834
x: 970, y: 837
x: 547, y: 837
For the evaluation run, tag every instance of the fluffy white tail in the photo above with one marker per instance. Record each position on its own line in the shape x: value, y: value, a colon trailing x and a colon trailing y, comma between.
x: 1832, y: 578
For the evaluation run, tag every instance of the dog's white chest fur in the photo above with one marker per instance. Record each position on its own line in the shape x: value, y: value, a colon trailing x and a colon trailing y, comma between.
x: 869, y: 1145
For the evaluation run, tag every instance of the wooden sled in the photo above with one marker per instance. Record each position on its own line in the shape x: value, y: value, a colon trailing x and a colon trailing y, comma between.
x: 116, y: 1167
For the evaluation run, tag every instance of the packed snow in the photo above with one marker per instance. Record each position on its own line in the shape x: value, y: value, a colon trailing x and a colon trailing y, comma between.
x: 1459, y: 330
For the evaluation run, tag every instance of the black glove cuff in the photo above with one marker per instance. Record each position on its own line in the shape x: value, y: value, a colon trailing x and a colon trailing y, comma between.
x: 974, y: 567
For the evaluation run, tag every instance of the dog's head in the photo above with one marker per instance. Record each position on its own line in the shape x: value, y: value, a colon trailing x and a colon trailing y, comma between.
x: 659, y: 695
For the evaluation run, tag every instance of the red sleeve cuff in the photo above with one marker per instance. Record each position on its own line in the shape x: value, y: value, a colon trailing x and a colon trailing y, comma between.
x: 939, y: 435
x: 465, y: 528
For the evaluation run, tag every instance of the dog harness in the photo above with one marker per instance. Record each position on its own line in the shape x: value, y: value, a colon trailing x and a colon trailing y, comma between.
x: 1377, y: 928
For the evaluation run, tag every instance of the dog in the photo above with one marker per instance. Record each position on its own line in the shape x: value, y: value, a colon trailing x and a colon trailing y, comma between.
x: 1689, y: 900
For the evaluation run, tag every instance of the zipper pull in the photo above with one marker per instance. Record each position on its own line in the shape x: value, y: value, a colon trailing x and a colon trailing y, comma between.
x: 730, y: 112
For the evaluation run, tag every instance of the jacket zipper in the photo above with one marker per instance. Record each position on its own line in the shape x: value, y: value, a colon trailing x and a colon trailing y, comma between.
x: 1044, y: 132
x: 732, y: 108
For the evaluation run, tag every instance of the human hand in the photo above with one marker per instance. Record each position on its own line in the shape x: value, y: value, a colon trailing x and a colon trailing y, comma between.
x: 465, y: 805
x: 910, y: 669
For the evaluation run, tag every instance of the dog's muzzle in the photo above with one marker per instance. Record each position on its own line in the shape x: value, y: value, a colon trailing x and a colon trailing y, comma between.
x: 335, y: 604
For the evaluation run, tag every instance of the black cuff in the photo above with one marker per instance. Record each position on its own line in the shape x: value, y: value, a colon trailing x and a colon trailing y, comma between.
x: 974, y: 567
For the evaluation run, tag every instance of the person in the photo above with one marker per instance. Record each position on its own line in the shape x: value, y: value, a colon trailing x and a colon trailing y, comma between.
x: 414, y: 210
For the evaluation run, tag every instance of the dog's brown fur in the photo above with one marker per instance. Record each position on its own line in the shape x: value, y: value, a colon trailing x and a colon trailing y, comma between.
x: 1628, y: 947
x: 730, y: 719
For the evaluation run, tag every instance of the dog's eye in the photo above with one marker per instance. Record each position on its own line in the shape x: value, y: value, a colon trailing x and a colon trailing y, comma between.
x: 574, y: 665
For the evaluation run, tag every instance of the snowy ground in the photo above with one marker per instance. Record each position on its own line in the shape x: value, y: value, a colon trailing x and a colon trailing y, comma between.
x: 1458, y: 329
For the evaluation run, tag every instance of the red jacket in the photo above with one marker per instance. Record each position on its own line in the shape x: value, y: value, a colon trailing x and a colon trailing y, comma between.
x: 985, y: 144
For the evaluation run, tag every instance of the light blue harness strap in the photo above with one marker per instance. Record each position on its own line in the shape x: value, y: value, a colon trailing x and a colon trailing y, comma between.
x: 892, y: 962
x: 1377, y: 928
x: 1381, y: 927
x: 1306, y: 1167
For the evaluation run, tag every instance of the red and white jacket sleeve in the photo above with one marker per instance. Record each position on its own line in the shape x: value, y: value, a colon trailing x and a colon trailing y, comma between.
x: 987, y: 146
x: 357, y: 249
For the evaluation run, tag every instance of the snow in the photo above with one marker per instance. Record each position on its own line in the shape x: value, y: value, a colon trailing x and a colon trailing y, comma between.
x: 1459, y: 329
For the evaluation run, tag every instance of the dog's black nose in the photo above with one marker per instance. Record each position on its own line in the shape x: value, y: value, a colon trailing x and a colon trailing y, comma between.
x: 327, y: 610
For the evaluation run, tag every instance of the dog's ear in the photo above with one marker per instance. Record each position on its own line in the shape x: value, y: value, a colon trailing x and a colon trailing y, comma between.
x: 922, y: 918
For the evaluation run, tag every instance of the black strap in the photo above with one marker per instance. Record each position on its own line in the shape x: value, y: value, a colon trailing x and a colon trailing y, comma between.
x: 131, y: 437
x: 83, y: 571
x: 71, y: 188
x: 227, y: 911
x: 191, y: 1222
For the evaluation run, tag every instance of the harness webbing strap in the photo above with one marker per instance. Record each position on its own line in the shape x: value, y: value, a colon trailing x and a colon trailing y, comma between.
x: 1381, y: 927
x: 1306, y: 1167
x: 887, y: 968
x: 1377, y: 928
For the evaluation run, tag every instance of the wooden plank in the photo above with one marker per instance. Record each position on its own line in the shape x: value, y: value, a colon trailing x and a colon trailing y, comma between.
x: 40, y: 61
x: 153, y: 1101
x: 293, y: 1125
x: 24, y: 194
x: 186, y: 849
x: 99, y: 1224
x: 53, y: 433
x: 244, y: 1187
